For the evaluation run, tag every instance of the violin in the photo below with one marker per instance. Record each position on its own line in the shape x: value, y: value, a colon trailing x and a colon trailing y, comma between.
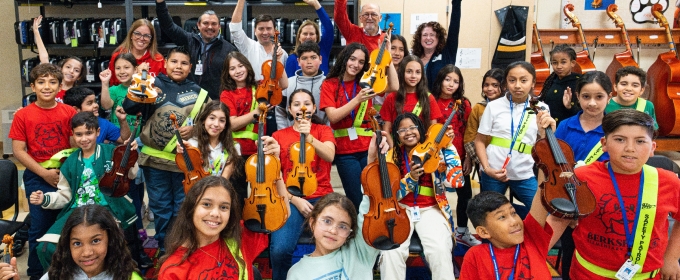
x: 8, y: 240
x: 265, y: 210
x: 386, y: 225
x: 301, y: 181
x: 427, y: 153
x: 663, y: 78
x: 142, y: 89
x: 624, y: 58
x: 380, y: 60
x: 269, y: 90
x: 538, y: 61
x: 583, y: 61
x: 562, y: 194
x: 116, y: 183
x: 190, y: 162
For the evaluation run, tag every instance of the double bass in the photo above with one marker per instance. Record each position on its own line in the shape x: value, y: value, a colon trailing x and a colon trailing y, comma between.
x: 427, y: 153
x: 380, y: 60
x: 116, y: 183
x: 539, y: 63
x: 190, y: 162
x: 301, y: 181
x: 583, y: 61
x: 269, y: 90
x: 386, y: 225
x: 264, y: 210
x: 624, y: 58
x: 562, y: 194
x: 663, y: 78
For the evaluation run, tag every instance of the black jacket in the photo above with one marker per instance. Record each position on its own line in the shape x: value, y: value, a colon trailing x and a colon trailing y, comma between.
x: 212, y: 61
x: 448, y: 54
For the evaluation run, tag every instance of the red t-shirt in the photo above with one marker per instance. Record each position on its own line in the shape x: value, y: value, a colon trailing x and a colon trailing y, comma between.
x: 202, y: 264
x: 459, y: 121
x: 156, y: 65
x: 600, y: 237
x: 45, y: 131
x: 60, y: 96
x: 322, y: 168
x: 333, y: 95
x: 239, y: 102
x: 531, y: 262
x: 425, y: 182
x: 388, y: 112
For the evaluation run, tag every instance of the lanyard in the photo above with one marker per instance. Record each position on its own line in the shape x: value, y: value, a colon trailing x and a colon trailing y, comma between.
x: 354, y: 92
x: 408, y: 170
x: 495, y: 263
x: 629, y: 233
x: 512, y: 124
x: 218, y: 164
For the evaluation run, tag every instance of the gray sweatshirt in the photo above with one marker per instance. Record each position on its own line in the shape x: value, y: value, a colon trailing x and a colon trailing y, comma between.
x: 299, y: 81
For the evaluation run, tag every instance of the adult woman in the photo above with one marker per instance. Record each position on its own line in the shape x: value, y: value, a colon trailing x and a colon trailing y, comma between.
x: 140, y: 42
x: 309, y: 31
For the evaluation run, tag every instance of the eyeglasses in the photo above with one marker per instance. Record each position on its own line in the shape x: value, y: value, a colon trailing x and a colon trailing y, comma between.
x: 140, y: 35
x: 373, y: 15
x: 342, y: 229
x: 405, y: 130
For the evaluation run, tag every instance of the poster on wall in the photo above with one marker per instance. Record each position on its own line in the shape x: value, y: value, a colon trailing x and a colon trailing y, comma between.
x: 641, y: 10
x: 597, y: 4
x: 394, y: 18
x: 417, y: 19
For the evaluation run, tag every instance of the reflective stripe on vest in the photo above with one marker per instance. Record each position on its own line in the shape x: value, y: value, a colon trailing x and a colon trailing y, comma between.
x: 426, y: 191
x: 234, y: 250
x: 248, y: 133
x: 135, y: 276
x: 417, y: 109
x: 342, y: 132
x: 56, y: 160
x: 519, y: 146
x: 603, y: 272
x: 641, y: 104
x: 594, y: 154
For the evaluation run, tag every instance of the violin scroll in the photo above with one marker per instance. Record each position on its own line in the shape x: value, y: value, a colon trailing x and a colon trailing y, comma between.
x: 8, y: 240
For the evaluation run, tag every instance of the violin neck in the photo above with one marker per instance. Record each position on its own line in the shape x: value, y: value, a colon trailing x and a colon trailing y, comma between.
x: 260, y: 152
x: 185, y: 154
x: 440, y: 135
x: 303, y: 140
x: 555, y: 147
x: 382, y: 163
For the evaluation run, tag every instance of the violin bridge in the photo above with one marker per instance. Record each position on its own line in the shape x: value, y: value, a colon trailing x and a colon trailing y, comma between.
x: 259, y: 195
x: 566, y: 174
x: 389, y: 210
x: 194, y: 178
x: 119, y: 174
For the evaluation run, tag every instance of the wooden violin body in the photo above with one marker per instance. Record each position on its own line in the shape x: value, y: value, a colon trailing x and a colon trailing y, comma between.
x: 583, y: 61
x: 624, y: 58
x: 142, y: 89
x: 116, y: 183
x: 386, y: 225
x: 427, y: 153
x: 190, y: 162
x: 269, y: 90
x: 663, y: 78
x: 264, y: 210
x: 380, y: 60
x: 539, y: 63
x: 301, y: 181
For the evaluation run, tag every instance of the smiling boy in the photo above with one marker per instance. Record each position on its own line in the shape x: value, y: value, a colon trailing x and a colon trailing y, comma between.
x: 630, y: 84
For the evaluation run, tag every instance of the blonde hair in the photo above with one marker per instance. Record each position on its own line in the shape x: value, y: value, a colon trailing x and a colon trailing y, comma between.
x: 297, y: 36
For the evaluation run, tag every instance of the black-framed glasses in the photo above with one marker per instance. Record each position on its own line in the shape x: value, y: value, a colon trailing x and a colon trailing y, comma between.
x: 373, y: 15
x: 140, y: 35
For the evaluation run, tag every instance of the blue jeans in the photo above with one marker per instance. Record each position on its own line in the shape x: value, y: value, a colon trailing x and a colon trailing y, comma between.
x: 41, y: 220
x: 166, y: 194
x: 349, y: 169
x: 524, y: 190
x: 283, y: 241
x: 136, y: 193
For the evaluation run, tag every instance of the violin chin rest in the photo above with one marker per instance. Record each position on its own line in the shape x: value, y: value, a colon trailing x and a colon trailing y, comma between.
x: 563, y: 205
x: 255, y: 226
x: 295, y: 191
x: 384, y: 243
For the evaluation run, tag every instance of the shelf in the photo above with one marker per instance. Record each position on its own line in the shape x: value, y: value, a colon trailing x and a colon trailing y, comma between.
x: 172, y: 3
x: 606, y: 36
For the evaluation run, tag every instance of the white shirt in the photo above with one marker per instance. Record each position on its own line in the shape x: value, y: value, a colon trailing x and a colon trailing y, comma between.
x: 215, y: 152
x: 252, y: 50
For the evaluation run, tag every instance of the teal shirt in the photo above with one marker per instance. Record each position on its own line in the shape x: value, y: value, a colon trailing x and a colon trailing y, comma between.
x: 649, y: 109
x: 118, y: 94
x: 88, y: 191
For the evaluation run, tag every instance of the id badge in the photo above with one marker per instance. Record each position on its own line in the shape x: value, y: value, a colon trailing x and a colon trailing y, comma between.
x: 190, y: 121
x: 627, y: 270
x: 199, y: 69
x: 415, y: 212
x: 352, y: 132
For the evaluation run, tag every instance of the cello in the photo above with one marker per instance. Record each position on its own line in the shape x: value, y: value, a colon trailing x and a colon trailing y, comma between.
x: 539, y: 63
x: 663, y: 78
x: 386, y: 225
x: 301, y: 181
x: 264, y: 210
x: 269, y: 90
x: 624, y: 58
x: 116, y: 183
x: 427, y: 153
x: 190, y: 162
x: 583, y: 61
x: 380, y: 60
x: 562, y: 194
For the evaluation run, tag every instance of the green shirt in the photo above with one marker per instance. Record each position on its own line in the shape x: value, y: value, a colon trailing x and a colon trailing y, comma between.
x: 649, y: 109
x: 118, y: 94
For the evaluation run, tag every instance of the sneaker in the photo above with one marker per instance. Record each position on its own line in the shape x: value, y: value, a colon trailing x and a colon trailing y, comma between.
x: 466, y: 238
x: 145, y: 260
x: 149, y: 214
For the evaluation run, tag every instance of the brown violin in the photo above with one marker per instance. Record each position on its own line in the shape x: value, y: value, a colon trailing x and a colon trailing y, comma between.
x: 190, y: 161
x: 624, y: 58
x: 380, y: 60
x: 583, y: 61
x: 269, y: 90
x: 562, y: 194
x: 142, y: 89
x: 116, y: 183
x: 427, y: 153
x: 386, y: 225
x: 663, y: 78
x: 301, y: 181
x: 539, y: 63
x: 264, y: 210
x: 8, y: 240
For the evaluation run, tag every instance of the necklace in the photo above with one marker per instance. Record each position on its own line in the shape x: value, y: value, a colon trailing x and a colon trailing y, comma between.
x: 219, y: 256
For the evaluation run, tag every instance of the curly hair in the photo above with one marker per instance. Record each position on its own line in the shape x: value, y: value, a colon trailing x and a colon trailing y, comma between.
x: 227, y: 82
x: 225, y: 137
x: 183, y: 231
x: 397, y: 156
x: 417, y: 48
x: 341, y: 202
x: 127, y: 45
x: 118, y: 259
x: 422, y: 93
x: 45, y: 70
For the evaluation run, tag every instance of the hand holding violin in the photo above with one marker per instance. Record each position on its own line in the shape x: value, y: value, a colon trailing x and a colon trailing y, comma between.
x: 9, y: 270
x: 416, y: 171
x: 384, y: 147
x: 544, y: 120
x: 363, y: 95
x: 271, y: 146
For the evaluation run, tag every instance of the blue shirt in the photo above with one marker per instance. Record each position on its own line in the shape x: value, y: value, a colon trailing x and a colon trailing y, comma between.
x: 108, y: 131
x: 581, y: 142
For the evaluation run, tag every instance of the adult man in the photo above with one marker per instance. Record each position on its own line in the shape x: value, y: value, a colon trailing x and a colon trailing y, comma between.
x: 369, y: 17
x: 208, y: 51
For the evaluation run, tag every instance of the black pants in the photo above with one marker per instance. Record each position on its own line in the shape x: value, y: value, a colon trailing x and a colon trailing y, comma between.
x: 567, y: 251
x: 464, y: 196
